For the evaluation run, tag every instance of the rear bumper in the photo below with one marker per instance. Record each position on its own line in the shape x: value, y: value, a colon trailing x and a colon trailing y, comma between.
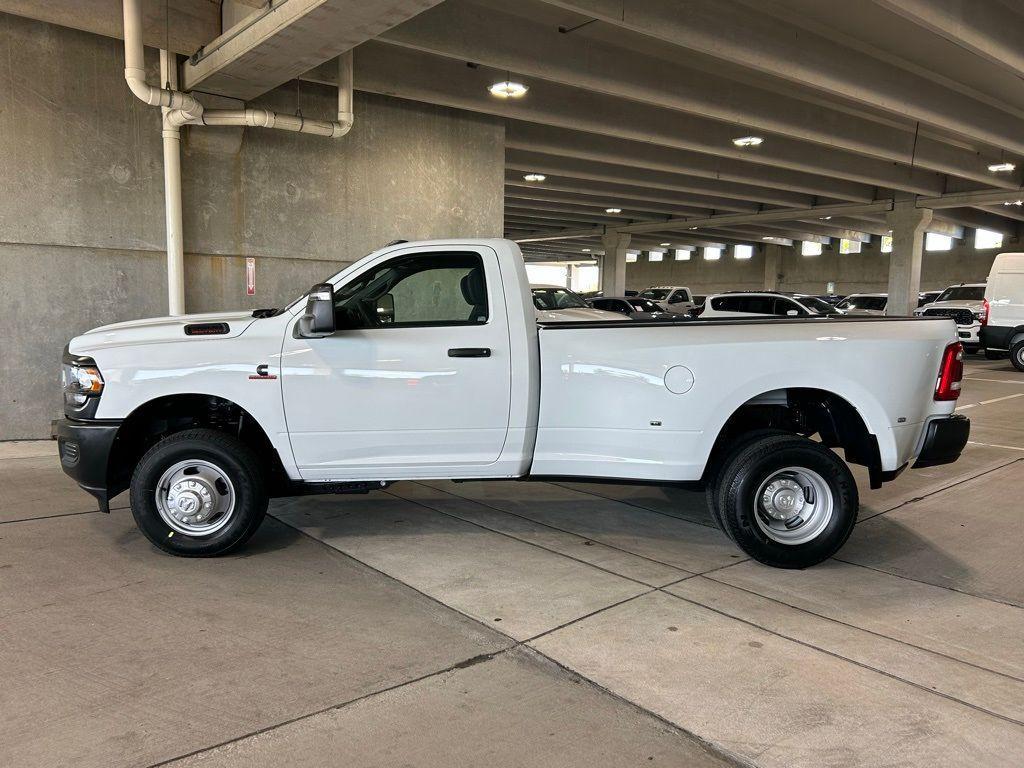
x: 84, y: 448
x: 944, y: 440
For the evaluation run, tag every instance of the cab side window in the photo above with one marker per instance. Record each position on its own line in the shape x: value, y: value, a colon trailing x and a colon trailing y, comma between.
x: 428, y: 289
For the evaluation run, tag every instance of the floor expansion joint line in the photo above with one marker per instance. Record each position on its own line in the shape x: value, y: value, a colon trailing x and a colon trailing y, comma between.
x: 872, y: 632
x: 929, y: 494
x: 862, y: 665
x: 471, y: 661
x: 524, y: 541
x: 556, y: 528
x: 928, y: 583
x: 51, y: 517
x: 675, y: 727
x: 635, y: 506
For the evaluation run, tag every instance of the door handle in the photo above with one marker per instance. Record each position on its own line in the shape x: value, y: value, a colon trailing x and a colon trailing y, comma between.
x: 469, y: 352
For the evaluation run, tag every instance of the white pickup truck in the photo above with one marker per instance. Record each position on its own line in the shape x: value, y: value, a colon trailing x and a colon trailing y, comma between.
x: 425, y: 360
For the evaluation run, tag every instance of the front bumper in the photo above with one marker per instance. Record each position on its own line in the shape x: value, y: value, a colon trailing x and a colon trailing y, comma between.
x: 84, y: 448
x: 969, y: 334
x: 944, y: 440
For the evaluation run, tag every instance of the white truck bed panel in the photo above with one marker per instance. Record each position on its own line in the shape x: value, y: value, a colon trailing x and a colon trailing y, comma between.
x: 606, y: 410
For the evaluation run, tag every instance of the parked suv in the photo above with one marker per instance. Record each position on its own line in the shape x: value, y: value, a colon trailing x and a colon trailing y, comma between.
x: 1003, y: 312
x: 965, y: 303
x: 671, y: 298
x: 764, y: 304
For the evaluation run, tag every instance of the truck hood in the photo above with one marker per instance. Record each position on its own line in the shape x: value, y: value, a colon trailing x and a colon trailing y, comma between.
x: 961, y: 304
x: 159, y: 329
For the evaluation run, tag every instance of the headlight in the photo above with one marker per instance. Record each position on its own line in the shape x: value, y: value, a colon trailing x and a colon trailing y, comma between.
x: 81, y: 380
x: 979, y: 313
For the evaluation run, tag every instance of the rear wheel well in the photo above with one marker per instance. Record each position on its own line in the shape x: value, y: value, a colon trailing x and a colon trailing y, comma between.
x: 802, y: 411
x: 157, y: 419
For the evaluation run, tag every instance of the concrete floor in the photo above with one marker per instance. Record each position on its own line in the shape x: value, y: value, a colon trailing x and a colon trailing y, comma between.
x: 523, y: 624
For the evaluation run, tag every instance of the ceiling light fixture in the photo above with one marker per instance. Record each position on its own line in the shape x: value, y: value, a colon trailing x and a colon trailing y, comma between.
x: 1001, y: 167
x: 585, y: 250
x: 613, y: 210
x: 1015, y: 202
x: 748, y: 141
x: 825, y: 218
x: 508, y: 89
x: 534, y: 177
x: 665, y: 245
x: 692, y: 228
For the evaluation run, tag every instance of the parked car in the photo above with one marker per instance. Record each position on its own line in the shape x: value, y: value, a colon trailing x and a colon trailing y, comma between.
x: 557, y: 304
x: 635, y: 308
x: 671, y: 298
x: 863, y: 304
x: 965, y: 303
x: 927, y: 297
x: 831, y: 298
x: 426, y: 360
x: 764, y: 304
x: 1003, y: 312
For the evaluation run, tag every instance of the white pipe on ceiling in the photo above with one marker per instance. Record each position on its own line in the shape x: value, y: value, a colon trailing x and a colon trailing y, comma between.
x: 184, y: 109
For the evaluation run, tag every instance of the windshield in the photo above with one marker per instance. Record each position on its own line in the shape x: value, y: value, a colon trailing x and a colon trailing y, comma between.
x: 817, y: 306
x: 658, y: 294
x: 644, y: 305
x: 557, y: 298
x: 963, y: 293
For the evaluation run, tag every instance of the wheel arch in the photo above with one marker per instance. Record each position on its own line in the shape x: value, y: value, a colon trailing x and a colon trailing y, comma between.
x: 160, y: 417
x: 805, y: 411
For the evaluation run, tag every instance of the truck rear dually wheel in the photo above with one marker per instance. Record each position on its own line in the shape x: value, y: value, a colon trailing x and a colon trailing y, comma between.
x: 198, y: 493
x: 787, y: 501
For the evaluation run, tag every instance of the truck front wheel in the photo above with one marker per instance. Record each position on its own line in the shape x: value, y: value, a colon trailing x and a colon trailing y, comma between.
x: 198, y: 493
x: 787, y: 501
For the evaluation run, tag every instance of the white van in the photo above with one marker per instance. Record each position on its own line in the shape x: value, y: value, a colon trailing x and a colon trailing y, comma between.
x: 1003, y: 319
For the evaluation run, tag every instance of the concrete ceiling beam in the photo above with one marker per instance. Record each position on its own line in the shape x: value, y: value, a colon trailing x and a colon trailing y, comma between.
x: 523, y: 196
x: 990, y: 30
x: 734, y: 199
x: 768, y: 182
x: 398, y: 71
x: 471, y: 32
x: 513, y: 204
x: 750, y: 35
x: 284, y: 40
x: 606, y: 192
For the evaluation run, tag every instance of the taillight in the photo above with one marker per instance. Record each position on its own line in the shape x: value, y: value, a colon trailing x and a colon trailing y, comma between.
x: 951, y: 372
x: 984, y: 313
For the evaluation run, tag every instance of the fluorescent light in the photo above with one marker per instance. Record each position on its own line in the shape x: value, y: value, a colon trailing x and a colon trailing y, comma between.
x: 692, y: 228
x: 613, y: 210
x: 1001, y: 167
x: 534, y: 177
x: 585, y: 250
x: 665, y: 245
x: 825, y: 218
x: 748, y: 141
x: 508, y: 89
x: 1015, y: 202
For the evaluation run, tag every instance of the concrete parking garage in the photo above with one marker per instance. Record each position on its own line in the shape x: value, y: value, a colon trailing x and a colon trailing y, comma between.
x: 803, y: 146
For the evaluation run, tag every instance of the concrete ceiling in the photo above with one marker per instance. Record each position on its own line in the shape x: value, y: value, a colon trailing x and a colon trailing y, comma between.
x: 633, y: 104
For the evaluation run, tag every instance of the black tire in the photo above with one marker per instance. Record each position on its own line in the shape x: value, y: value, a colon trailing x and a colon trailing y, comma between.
x: 229, y: 455
x: 993, y: 354
x: 1017, y: 355
x: 754, y: 464
x: 713, y: 489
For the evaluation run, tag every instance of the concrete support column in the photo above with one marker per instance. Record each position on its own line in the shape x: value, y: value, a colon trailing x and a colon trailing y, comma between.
x: 772, y: 263
x: 908, y: 224
x: 613, y: 265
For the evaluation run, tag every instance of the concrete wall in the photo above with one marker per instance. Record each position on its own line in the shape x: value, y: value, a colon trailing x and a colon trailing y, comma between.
x: 867, y: 271
x: 82, y: 222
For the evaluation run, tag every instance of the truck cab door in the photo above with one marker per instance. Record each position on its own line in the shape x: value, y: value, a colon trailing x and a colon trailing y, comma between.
x: 415, y: 381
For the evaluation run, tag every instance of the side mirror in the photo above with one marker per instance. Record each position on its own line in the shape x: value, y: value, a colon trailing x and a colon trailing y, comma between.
x: 318, y: 319
x: 386, y: 309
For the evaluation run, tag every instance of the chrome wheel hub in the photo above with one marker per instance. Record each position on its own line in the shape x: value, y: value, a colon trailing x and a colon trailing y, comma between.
x: 195, y: 498
x: 793, y: 506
